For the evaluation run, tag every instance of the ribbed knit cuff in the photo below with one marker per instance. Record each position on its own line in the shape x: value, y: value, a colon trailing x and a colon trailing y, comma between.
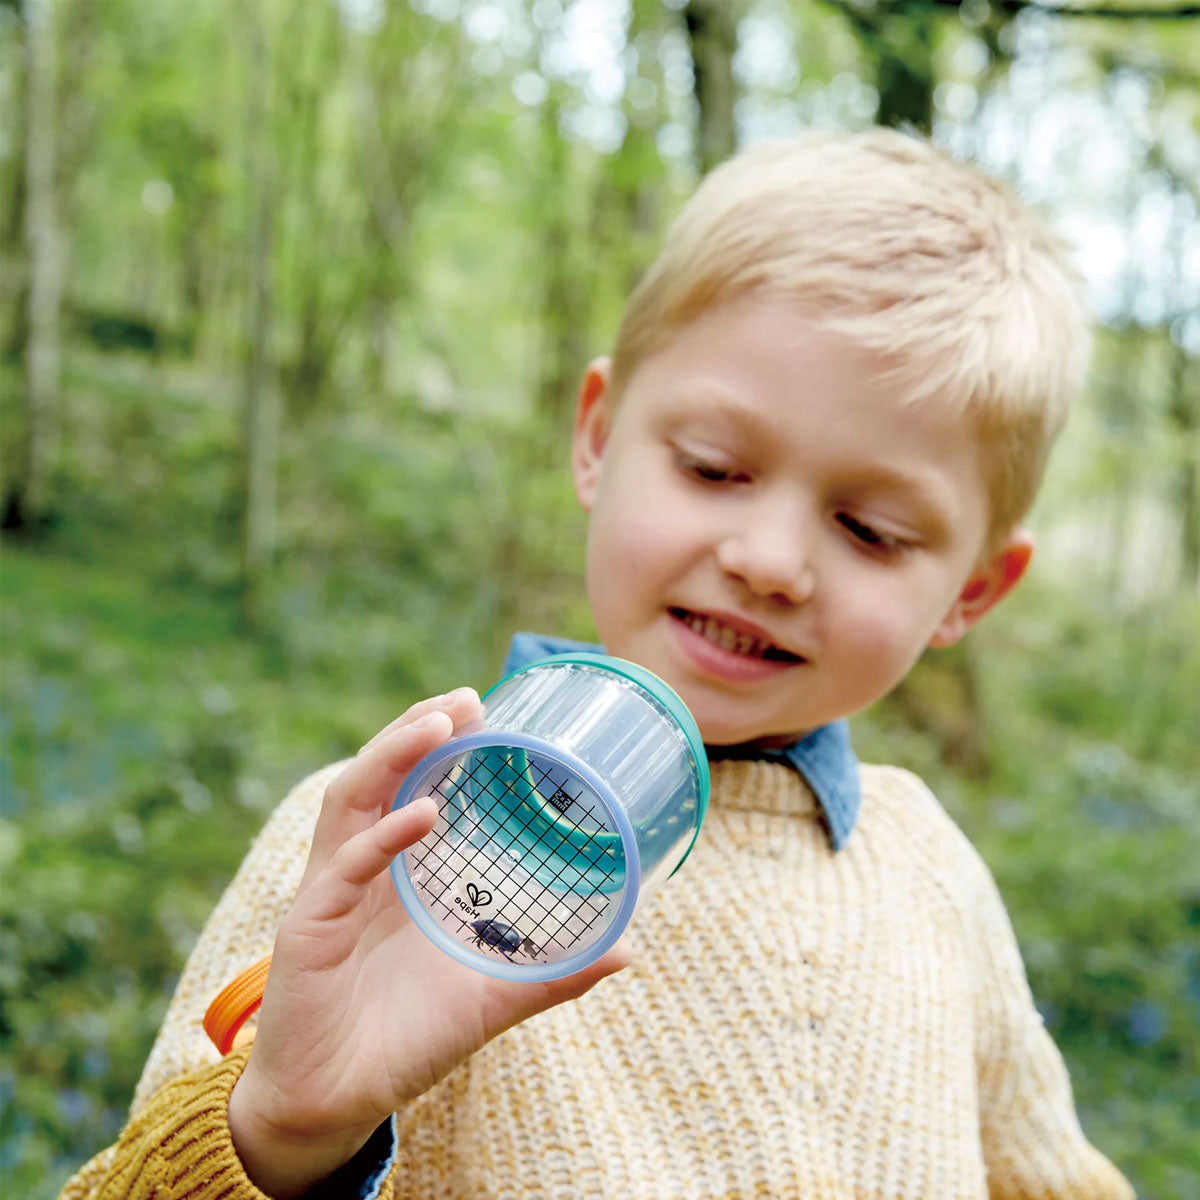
x: 179, y: 1145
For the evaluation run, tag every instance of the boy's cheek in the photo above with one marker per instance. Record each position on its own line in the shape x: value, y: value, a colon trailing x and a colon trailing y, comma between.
x: 634, y: 540
x: 883, y: 636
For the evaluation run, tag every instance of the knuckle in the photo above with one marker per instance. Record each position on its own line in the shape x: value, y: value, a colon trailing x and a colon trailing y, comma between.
x: 343, y: 859
x: 335, y: 791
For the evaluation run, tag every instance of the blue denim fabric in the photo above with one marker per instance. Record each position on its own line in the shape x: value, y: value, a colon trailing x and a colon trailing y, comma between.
x: 363, y: 1175
x: 824, y: 758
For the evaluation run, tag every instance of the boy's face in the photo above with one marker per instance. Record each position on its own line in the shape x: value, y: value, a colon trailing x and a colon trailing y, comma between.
x: 774, y: 530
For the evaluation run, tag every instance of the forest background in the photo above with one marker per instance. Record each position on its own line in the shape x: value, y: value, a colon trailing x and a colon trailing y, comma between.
x: 295, y: 296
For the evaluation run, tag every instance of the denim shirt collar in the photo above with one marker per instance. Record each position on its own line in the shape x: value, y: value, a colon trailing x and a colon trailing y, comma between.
x: 824, y: 758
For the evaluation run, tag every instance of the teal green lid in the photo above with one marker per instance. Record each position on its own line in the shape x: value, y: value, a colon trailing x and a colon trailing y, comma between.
x: 661, y: 691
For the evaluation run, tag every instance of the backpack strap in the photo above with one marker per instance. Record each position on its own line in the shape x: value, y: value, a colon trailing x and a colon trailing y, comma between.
x: 235, y: 1004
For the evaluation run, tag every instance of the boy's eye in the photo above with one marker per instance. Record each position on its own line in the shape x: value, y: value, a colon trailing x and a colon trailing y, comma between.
x: 867, y: 535
x: 707, y: 471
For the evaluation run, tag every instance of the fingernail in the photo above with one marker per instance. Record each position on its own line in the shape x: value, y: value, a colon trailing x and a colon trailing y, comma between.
x: 459, y: 694
x: 423, y: 722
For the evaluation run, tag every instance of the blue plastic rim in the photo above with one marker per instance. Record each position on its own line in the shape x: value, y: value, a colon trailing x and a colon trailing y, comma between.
x: 499, y: 813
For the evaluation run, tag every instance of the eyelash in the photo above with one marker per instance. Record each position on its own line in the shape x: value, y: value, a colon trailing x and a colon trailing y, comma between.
x: 871, y: 538
x: 706, y: 472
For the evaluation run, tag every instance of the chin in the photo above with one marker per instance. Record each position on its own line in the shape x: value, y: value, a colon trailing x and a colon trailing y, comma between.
x: 749, y: 738
x: 721, y: 733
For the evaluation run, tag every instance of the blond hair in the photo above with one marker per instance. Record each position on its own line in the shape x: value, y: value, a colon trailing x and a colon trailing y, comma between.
x: 893, y: 243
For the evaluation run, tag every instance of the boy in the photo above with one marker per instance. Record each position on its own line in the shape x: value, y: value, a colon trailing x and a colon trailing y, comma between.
x: 827, y: 411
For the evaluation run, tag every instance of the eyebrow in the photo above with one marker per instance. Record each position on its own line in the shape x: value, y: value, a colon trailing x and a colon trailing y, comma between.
x: 711, y: 401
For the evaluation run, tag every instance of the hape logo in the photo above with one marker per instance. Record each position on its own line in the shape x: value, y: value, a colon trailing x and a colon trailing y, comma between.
x: 479, y: 897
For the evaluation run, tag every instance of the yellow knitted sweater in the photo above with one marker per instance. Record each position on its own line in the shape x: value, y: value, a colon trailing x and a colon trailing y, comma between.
x: 796, y: 1023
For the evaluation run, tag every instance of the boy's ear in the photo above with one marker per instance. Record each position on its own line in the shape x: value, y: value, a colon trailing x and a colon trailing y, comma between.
x: 591, y: 430
x: 988, y: 584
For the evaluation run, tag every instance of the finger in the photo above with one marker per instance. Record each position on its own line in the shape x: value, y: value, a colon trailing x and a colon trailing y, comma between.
x: 517, y: 1002
x: 461, y: 705
x: 366, y: 856
x: 573, y: 986
x: 353, y: 801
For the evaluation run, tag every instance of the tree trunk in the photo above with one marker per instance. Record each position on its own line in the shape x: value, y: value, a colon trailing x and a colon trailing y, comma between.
x: 565, y: 301
x: 14, y: 265
x: 260, y: 395
x: 904, y: 46
x: 630, y: 203
x: 28, y: 502
x: 303, y: 82
x: 940, y: 698
x: 712, y: 32
x: 1185, y: 412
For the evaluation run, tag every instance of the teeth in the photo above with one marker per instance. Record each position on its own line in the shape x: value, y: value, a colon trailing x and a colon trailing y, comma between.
x: 723, y: 636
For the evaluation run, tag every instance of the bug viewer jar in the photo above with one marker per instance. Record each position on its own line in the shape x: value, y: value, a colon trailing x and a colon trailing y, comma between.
x: 582, y: 789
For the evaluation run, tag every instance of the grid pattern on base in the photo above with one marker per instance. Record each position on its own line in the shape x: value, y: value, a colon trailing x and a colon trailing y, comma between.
x: 510, y: 884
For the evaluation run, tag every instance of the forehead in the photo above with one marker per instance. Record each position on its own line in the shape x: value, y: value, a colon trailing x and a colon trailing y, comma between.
x: 733, y: 355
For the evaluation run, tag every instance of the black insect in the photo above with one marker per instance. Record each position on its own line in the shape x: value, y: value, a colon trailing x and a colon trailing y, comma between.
x: 496, y: 934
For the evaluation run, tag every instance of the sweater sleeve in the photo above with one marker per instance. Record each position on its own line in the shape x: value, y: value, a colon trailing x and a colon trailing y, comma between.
x: 178, y: 1145
x: 1032, y: 1143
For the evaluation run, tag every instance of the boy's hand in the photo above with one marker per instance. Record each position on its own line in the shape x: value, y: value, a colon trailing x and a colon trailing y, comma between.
x: 361, y: 1011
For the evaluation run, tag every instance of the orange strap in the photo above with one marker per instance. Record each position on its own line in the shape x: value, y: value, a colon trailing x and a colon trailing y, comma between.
x: 235, y: 1004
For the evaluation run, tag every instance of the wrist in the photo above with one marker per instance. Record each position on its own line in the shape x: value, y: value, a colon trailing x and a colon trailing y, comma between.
x: 286, y: 1154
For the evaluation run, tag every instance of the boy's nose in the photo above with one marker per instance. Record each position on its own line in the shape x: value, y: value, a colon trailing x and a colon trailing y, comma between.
x: 769, y: 562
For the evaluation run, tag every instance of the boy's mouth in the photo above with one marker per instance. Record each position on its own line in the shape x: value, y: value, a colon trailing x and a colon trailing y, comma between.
x: 735, y: 640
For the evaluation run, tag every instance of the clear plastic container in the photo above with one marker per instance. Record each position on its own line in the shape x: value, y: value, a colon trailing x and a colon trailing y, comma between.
x: 584, y: 789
